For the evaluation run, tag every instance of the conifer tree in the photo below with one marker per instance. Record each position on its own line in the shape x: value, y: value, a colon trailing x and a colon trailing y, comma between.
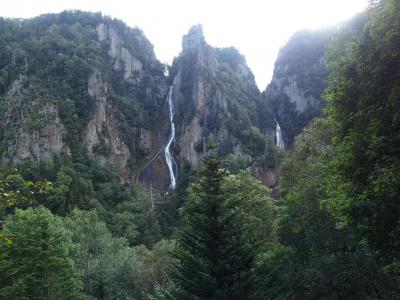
x: 38, y: 263
x: 215, y: 260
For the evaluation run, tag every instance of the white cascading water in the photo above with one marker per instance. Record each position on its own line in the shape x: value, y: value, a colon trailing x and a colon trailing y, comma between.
x: 279, y: 139
x: 168, y: 157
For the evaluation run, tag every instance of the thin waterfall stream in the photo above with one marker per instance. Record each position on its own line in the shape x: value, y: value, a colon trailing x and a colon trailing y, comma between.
x: 168, y: 157
x: 279, y: 139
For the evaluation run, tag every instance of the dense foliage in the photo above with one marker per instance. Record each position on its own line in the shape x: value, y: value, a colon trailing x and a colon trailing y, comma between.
x: 332, y: 231
x: 364, y: 109
x: 337, y: 231
x: 227, y: 220
x: 38, y: 263
x: 58, y: 71
x: 45, y: 72
x: 214, y: 258
x: 314, y: 258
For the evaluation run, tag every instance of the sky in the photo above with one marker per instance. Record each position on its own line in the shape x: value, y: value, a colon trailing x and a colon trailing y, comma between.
x: 257, y: 28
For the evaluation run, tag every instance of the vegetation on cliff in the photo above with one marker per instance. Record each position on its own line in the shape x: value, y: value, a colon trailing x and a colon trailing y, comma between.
x: 300, y: 76
x: 331, y: 231
x: 216, y: 97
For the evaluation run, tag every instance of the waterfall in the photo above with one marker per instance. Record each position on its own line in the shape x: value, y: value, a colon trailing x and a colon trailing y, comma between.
x: 279, y: 139
x: 168, y: 157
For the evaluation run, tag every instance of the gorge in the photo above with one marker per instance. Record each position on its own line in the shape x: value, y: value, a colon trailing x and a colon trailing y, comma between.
x: 122, y: 177
x: 107, y: 107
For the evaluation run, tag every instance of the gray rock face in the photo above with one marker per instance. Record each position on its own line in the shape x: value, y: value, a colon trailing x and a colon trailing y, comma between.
x: 94, y: 129
x: 105, y: 107
x: 25, y: 140
x: 289, y: 87
x: 102, y: 130
x: 205, y: 100
x: 123, y: 59
x: 145, y: 140
x: 191, y: 133
x: 102, y: 32
x: 202, y: 100
x: 17, y: 86
x: 194, y: 40
x: 299, y: 79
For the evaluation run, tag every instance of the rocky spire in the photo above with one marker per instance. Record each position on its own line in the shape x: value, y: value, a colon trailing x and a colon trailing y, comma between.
x: 194, y: 38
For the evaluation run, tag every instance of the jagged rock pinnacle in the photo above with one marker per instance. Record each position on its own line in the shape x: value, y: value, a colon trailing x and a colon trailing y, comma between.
x: 194, y: 38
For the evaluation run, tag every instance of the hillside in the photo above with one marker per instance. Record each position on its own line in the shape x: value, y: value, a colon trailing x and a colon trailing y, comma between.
x: 84, y: 87
x: 124, y: 178
x: 216, y: 99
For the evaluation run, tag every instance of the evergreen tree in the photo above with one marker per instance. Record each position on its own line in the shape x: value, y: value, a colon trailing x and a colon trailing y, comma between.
x: 38, y: 263
x: 215, y: 260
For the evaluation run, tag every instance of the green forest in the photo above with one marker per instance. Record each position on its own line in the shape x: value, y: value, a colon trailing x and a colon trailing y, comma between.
x: 71, y: 228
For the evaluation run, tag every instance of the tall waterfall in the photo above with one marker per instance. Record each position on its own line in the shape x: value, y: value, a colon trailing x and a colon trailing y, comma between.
x: 168, y: 157
x: 279, y: 139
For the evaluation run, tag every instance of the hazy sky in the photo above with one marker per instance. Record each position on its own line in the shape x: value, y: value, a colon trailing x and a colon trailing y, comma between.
x: 258, y: 28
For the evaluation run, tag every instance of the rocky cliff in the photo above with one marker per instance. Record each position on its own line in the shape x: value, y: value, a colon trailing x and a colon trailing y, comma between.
x: 81, y: 84
x: 31, y: 128
x: 300, y: 76
x: 88, y: 88
x: 216, y: 98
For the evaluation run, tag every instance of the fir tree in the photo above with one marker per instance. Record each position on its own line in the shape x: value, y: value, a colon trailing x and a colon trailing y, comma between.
x: 38, y: 263
x: 215, y: 259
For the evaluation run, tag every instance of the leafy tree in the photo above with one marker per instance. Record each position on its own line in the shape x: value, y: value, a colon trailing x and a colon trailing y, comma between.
x: 158, y: 264
x: 60, y: 198
x: 110, y: 269
x: 364, y: 108
x: 16, y: 191
x: 256, y: 208
x: 313, y: 258
x: 38, y: 264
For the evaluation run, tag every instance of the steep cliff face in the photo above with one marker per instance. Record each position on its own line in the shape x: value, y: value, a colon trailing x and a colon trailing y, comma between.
x: 30, y: 125
x: 101, y: 135
x: 216, y: 98
x: 81, y: 84
x: 300, y: 76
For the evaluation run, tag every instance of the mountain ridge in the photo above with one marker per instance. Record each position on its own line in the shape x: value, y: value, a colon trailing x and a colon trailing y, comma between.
x: 107, y: 100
